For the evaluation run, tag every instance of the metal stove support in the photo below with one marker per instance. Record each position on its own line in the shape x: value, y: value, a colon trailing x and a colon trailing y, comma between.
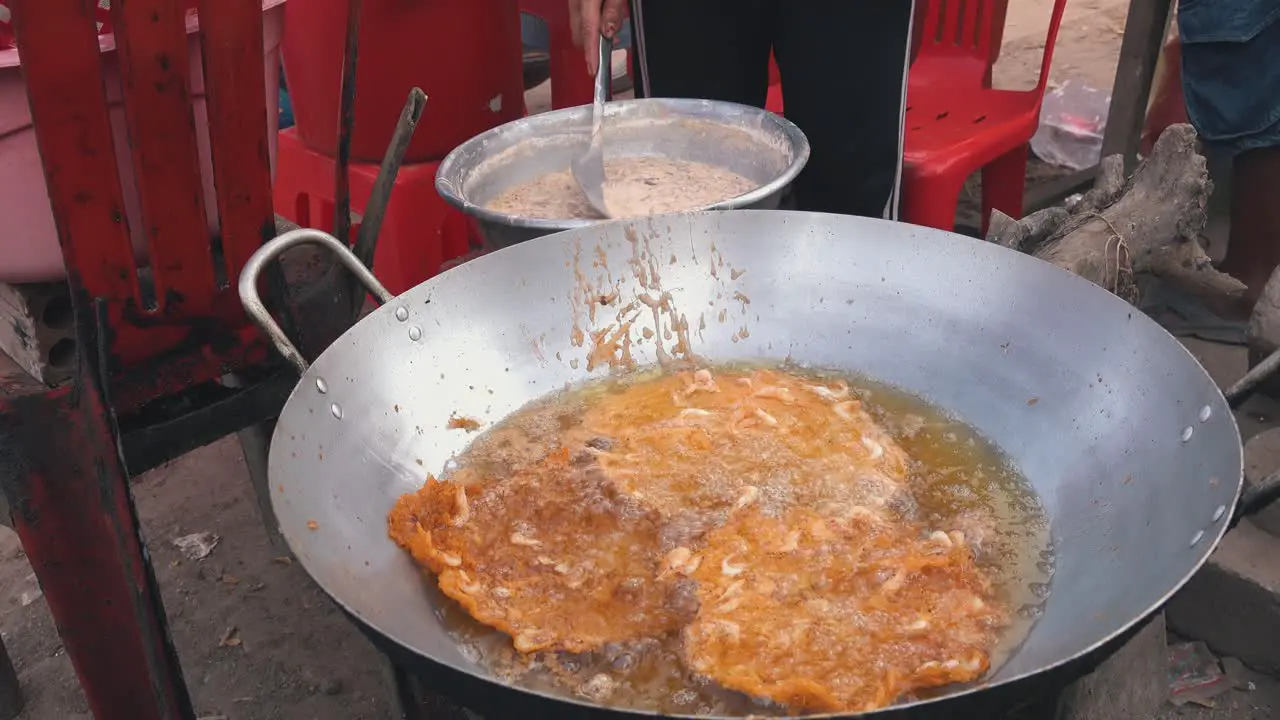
x: 255, y: 443
x: 10, y: 692
x: 412, y: 699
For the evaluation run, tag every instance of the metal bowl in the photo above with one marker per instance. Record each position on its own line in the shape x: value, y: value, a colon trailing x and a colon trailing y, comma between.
x: 754, y: 143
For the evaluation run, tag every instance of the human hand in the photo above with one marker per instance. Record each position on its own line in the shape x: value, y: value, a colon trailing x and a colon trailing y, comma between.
x: 589, y: 19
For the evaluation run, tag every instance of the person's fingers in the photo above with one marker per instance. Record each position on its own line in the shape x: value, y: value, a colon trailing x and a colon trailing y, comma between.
x: 611, y: 13
x: 575, y: 20
x: 589, y: 19
x: 588, y: 29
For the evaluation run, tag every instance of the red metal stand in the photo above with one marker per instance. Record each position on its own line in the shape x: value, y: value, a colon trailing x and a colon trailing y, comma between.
x: 153, y: 342
x: 74, y: 514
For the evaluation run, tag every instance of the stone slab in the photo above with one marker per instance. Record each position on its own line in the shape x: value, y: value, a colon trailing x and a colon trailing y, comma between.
x: 1233, y: 603
x: 1261, y: 458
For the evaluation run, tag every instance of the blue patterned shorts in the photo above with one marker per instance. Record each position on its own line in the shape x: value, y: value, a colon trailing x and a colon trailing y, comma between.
x: 1231, y: 71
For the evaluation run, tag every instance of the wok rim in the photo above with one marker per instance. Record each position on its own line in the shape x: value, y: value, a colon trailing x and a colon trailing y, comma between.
x: 974, y: 688
x: 450, y: 179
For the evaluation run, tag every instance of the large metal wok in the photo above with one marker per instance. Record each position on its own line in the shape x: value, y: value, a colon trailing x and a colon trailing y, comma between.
x: 1129, y: 443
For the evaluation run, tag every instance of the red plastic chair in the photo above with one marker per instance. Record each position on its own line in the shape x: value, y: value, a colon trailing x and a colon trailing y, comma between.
x: 774, y: 102
x: 956, y: 124
x: 570, y: 83
x: 420, y: 232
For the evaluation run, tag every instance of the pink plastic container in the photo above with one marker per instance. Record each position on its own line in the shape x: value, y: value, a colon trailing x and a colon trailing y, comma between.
x: 29, y: 250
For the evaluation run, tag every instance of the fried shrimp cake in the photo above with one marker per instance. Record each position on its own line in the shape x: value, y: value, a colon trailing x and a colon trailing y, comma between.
x: 838, y: 613
x: 546, y: 556
x: 693, y: 442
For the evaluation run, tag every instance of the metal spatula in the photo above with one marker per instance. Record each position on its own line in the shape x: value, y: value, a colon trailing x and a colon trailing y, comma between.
x: 588, y: 169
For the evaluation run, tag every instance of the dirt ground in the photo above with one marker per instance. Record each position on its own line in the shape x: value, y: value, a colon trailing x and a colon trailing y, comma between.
x: 259, y: 641
x: 297, y: 657
x: 1087, y: 49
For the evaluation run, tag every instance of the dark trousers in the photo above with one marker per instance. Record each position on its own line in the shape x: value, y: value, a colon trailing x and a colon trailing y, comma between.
x: 842, y: 65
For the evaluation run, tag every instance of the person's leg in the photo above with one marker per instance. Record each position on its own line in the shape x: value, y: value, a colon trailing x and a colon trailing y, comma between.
x: 843, y: 66
x: 1253, y: 250
x: 710, y: 49
x: 1231, y: 81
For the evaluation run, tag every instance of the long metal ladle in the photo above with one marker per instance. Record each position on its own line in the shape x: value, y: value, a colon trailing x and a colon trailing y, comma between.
x: 588, y: 169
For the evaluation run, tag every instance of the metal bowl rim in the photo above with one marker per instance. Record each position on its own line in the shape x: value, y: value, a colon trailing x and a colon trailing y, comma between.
x: 450, y: 166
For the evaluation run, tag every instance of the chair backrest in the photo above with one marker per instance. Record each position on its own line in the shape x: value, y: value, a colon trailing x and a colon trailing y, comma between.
x: 187, y: 293
x: 1050, y: 40
x: 962, y: 27
x: 974, y: 29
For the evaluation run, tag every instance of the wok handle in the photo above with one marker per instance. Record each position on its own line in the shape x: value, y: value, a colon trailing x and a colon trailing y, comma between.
x: 270, y: 251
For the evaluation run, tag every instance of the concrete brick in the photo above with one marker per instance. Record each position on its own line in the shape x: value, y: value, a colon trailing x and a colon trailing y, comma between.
x: 1233, y: 603
x: 1261, y: 458
x: 1132, y: 684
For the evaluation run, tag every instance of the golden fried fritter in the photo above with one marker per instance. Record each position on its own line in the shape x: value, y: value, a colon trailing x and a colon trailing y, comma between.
x: 838, y: 613
x: 765, y: 515
x: 694, y: 442
x: 546, y: 556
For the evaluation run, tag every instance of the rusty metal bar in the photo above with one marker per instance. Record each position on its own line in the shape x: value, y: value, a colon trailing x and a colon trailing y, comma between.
x: 346, y: 121
x: 380, y: 196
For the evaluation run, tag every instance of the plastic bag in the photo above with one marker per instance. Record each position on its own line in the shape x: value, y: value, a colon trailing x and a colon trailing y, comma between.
x: 1072, y: 121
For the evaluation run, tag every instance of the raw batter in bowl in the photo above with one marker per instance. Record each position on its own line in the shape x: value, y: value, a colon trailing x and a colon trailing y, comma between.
x: 634, y: 186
